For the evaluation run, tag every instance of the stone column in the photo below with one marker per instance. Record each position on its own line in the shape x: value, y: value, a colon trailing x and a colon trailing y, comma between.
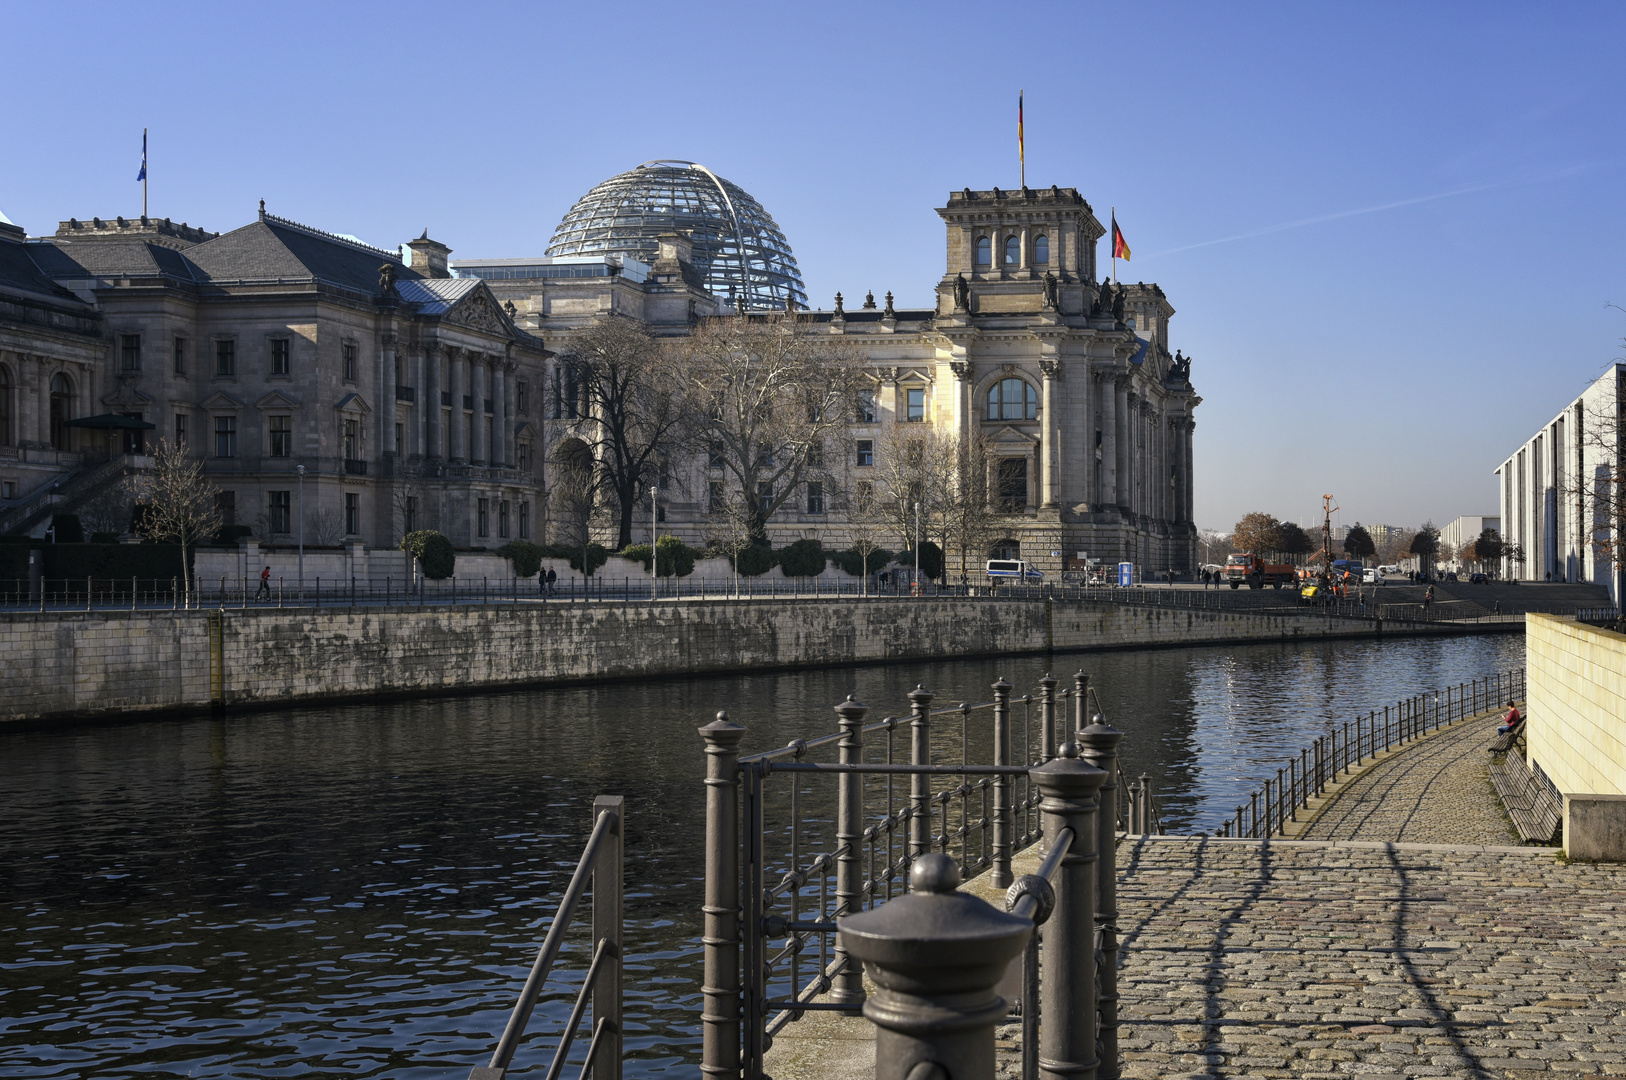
x: 479, y: 427
x: 457, y: 448
x: 1191, y: 505
x: 510, y: 386
x: 430, y: 403
x: 1108, y: 495
x: 1050, y: 432
x: 30, y: 374
x: 1126, y: 441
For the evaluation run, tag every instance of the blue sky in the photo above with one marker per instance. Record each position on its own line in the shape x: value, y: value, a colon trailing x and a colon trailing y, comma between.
x: 1390, y: 230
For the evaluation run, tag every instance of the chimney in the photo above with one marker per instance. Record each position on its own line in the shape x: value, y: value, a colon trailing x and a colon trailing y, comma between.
x: 429, y: 256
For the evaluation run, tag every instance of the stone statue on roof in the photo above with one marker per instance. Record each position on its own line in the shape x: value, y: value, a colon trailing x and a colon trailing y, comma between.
x: 962, y: 293
x: 1118, y: 305
x: 1052, y: 292
x: 386, y: 279
x: 1103, y: 302
x: 889, y: 312
x: 869, y: 299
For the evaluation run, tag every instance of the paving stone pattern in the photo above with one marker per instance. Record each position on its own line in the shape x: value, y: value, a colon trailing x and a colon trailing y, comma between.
x: 1329, y: 960
x: 1436, y: 792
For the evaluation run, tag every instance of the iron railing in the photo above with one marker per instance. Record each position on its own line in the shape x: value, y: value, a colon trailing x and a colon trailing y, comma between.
x: 785, y: 860
x: 1334, y: 755
x: 601, y: 865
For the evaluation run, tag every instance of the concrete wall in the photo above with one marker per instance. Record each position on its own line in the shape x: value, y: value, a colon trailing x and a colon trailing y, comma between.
x: 62, y: 664
x: 1577, y: 700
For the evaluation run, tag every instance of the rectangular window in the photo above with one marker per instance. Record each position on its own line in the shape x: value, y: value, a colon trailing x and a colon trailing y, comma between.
x: 866, y: 453
x: 482, y: 523
x: 225, y: 358
x: 225, y: 436
x: 815, y: 455
x: 524, y: 520
x: 351, y: 439
x: 866, y: 407
x: 864, y: 496
x: 8, y: 489
x: 524, y: 455
x: 282, y: 436
x: 279, y: 356
x: 714, y: 456
x: 226, y: 504
x: 765, y: 496
x: 348, y: 350
x: 281, y: 511
x: 815, y: 498
x: 131, y: 350
x: 180, y: 356
x: 716, y: 500
x: 502, y: 517
x: 522, y: 397
x: 409, y: 514
x: 352, y: 513
x: 914, y: 406
x: 400, y: 438
x: 180, y: 429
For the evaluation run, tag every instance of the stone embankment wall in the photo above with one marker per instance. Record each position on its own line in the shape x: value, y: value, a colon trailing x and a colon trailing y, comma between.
x: 98, y: 663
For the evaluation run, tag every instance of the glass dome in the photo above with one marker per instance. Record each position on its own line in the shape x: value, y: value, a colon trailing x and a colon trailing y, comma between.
x: 738, y: 247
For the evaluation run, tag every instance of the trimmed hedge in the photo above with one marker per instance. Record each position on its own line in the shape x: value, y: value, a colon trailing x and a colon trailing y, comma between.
x: 755, y: 560
x: 931, y: 559
x: 676, y: 557
x: 597, y: 555
x: 850, y: 560
x: 804, y: 558
x: 433, y: 551
x: 526, y: 557
x: 65, y: 528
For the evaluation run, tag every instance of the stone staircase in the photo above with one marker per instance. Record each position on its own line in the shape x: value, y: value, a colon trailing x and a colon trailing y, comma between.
x: 68, y: 494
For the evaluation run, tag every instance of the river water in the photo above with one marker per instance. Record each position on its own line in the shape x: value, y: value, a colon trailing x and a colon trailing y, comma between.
x: 357, y: 890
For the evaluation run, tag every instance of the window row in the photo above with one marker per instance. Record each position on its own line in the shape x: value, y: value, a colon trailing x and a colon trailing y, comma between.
x: 1010, y: 490
x: 511, y: 517
x: 1013, y: 250
x: 280, y: 352
x: 60, y: 406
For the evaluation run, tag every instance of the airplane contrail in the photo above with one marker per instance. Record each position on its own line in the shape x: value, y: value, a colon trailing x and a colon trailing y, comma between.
x: 1397, y: 204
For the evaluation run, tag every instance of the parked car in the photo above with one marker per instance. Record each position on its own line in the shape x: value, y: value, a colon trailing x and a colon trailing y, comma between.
x: 1370, y: 576
x: 1477, y: 579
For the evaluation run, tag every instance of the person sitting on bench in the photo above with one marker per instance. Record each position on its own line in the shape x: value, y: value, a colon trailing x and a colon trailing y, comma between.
x: 1511, y: 721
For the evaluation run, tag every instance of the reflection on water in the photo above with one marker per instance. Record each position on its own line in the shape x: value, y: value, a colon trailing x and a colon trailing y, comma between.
x: 358, y: 890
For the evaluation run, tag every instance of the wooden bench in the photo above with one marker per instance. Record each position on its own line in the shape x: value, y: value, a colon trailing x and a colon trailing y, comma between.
x: 1504, y: 742
x: 1535, y: 813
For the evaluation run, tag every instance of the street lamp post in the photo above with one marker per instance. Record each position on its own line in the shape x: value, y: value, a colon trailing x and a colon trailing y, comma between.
x: 917, y: 546
x: 300, y: 469
x: 654, y: 565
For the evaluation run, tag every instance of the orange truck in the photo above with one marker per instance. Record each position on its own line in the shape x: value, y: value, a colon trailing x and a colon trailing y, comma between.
x: 1243, y: 568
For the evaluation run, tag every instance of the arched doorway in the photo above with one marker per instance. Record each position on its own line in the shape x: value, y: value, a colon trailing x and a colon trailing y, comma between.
x: 61, y: 410
x: 573, y: 494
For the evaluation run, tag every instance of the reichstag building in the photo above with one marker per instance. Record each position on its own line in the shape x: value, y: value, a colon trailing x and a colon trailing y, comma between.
x: 418, y: 390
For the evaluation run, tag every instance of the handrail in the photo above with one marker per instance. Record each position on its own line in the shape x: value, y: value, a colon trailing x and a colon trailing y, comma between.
x: 1027, y: 900
x: 601, y: 864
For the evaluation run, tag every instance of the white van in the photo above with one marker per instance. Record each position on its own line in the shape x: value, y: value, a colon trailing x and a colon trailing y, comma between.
x: 1013, y: 569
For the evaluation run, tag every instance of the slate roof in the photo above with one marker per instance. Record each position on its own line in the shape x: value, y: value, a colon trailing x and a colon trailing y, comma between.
x: 20, y: 273
x: 435, y: 296
x: 273, y: 249
x: 69, y: 259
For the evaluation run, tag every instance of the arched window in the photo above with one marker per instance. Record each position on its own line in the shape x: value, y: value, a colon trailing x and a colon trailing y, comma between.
x: 1012, y: 399
x: 5, y: 406
x: 985, y: 251
x: 1041, y: 250
x: 1013, y: 251
x: 61, y: 410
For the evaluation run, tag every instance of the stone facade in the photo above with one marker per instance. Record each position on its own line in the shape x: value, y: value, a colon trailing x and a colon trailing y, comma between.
x: 405, y: 396
x: 1090, y: 416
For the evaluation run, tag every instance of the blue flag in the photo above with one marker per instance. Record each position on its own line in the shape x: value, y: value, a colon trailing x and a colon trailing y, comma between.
x: 142, y: 175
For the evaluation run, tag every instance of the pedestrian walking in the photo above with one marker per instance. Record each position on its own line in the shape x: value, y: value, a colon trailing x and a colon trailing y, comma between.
x: 1428, y: 598
x: 552, y: 578
x: 265, y: 584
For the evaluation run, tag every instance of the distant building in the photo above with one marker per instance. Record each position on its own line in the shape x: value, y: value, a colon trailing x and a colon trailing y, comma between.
x: 1554, y: 490
x: 1459, y: 532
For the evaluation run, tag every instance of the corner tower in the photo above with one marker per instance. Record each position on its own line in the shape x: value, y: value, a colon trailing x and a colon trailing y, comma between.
x: 1008, y: 246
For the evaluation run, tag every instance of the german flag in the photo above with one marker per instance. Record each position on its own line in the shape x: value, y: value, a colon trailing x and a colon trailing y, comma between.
x: 1120, y: 246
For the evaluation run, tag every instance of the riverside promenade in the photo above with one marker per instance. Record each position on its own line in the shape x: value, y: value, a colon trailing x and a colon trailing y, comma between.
x: 1406, y: 936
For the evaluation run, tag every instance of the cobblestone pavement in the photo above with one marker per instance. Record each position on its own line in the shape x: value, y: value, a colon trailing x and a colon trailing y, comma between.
x: 1436, y: 792
x: 1323, y: 961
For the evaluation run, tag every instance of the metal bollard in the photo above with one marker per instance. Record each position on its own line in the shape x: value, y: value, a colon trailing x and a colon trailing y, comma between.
x: 920, y: 784
x: 1047, y: 717
x: 1002, y: 785
x: 720, y: 1011
x: 1068, y: 1047
x: 936, y: 956
x: 848, y: 987
x: 1099, y: 744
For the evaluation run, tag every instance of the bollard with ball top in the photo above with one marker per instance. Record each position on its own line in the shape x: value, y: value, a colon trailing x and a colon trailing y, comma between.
x: 935, y: 955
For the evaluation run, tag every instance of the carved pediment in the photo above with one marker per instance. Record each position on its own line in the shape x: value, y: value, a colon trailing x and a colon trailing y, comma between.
x: 126, y: 396
x: 353, y: 403
x: 1012, y: 436
x: 276, y: 399
x: 222, y: 402
x: 478, y: 311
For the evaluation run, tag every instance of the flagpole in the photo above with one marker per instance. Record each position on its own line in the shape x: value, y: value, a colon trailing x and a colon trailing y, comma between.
x: 143, y: 172
x: 1114, y: 242
x: 1021, y: 138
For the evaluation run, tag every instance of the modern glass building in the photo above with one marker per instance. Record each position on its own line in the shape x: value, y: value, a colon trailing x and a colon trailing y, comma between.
x: 738, y: 248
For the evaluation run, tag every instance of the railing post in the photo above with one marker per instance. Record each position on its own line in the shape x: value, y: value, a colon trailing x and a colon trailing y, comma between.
x: 1081, y: 705
x: 1099, y: 744
x: 1047, y: 717
x: 1002, y: 785
x: 1068, y: 1047
x: 720, y: 1008
x: 936, y: 955
x: 608, y: 889
x: 920, y: 784
x: 848, y: 987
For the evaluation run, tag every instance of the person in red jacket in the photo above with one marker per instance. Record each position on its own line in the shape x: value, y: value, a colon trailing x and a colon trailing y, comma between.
x: 1511, y: 721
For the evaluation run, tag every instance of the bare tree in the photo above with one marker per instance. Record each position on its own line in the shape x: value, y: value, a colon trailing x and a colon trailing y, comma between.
x: 1598, y: 487
x: 970, y: 518
x: 108, y: 511
x: 728, y: 532
x: 412, y: 508
x: 774, y: 391
x: 638, y: 410
x: 182, y: 504
x: 327, y: 527
x: 912, y: 470
x: 574, y: 498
